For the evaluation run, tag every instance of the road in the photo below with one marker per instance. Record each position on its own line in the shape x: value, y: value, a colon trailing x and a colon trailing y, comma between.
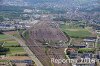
x: 31, y: 55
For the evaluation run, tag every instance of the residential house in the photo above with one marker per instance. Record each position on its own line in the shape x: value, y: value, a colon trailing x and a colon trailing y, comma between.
x: 90, y: 42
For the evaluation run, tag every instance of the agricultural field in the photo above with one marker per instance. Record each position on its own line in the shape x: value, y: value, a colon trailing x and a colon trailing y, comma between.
x: 82, y: 50
x: 2, y: 36
x: 14, y: 50
x: 75, y: 31
x: 13, y: 33
x: 13, y: 45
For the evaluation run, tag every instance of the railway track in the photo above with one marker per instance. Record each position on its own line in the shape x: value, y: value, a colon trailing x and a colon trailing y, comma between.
x: 46, y: 31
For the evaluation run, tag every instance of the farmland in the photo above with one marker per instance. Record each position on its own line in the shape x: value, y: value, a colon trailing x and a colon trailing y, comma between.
x: 10, y: 43
x: 74, y: 31
x: 2, y: 36
x: 13, y: 46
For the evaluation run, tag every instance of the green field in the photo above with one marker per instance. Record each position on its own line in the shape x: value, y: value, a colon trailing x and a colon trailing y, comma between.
x: 75, y: 32
x: 26, y: 34
x: 98, y: 45
x: 4, y: 61
x: 2, y: 36
x: 15, y: 49
x: 82, y: 50
x: 11, y: 44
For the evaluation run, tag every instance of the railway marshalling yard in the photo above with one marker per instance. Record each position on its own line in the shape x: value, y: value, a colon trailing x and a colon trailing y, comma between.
x: 45, y: 40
